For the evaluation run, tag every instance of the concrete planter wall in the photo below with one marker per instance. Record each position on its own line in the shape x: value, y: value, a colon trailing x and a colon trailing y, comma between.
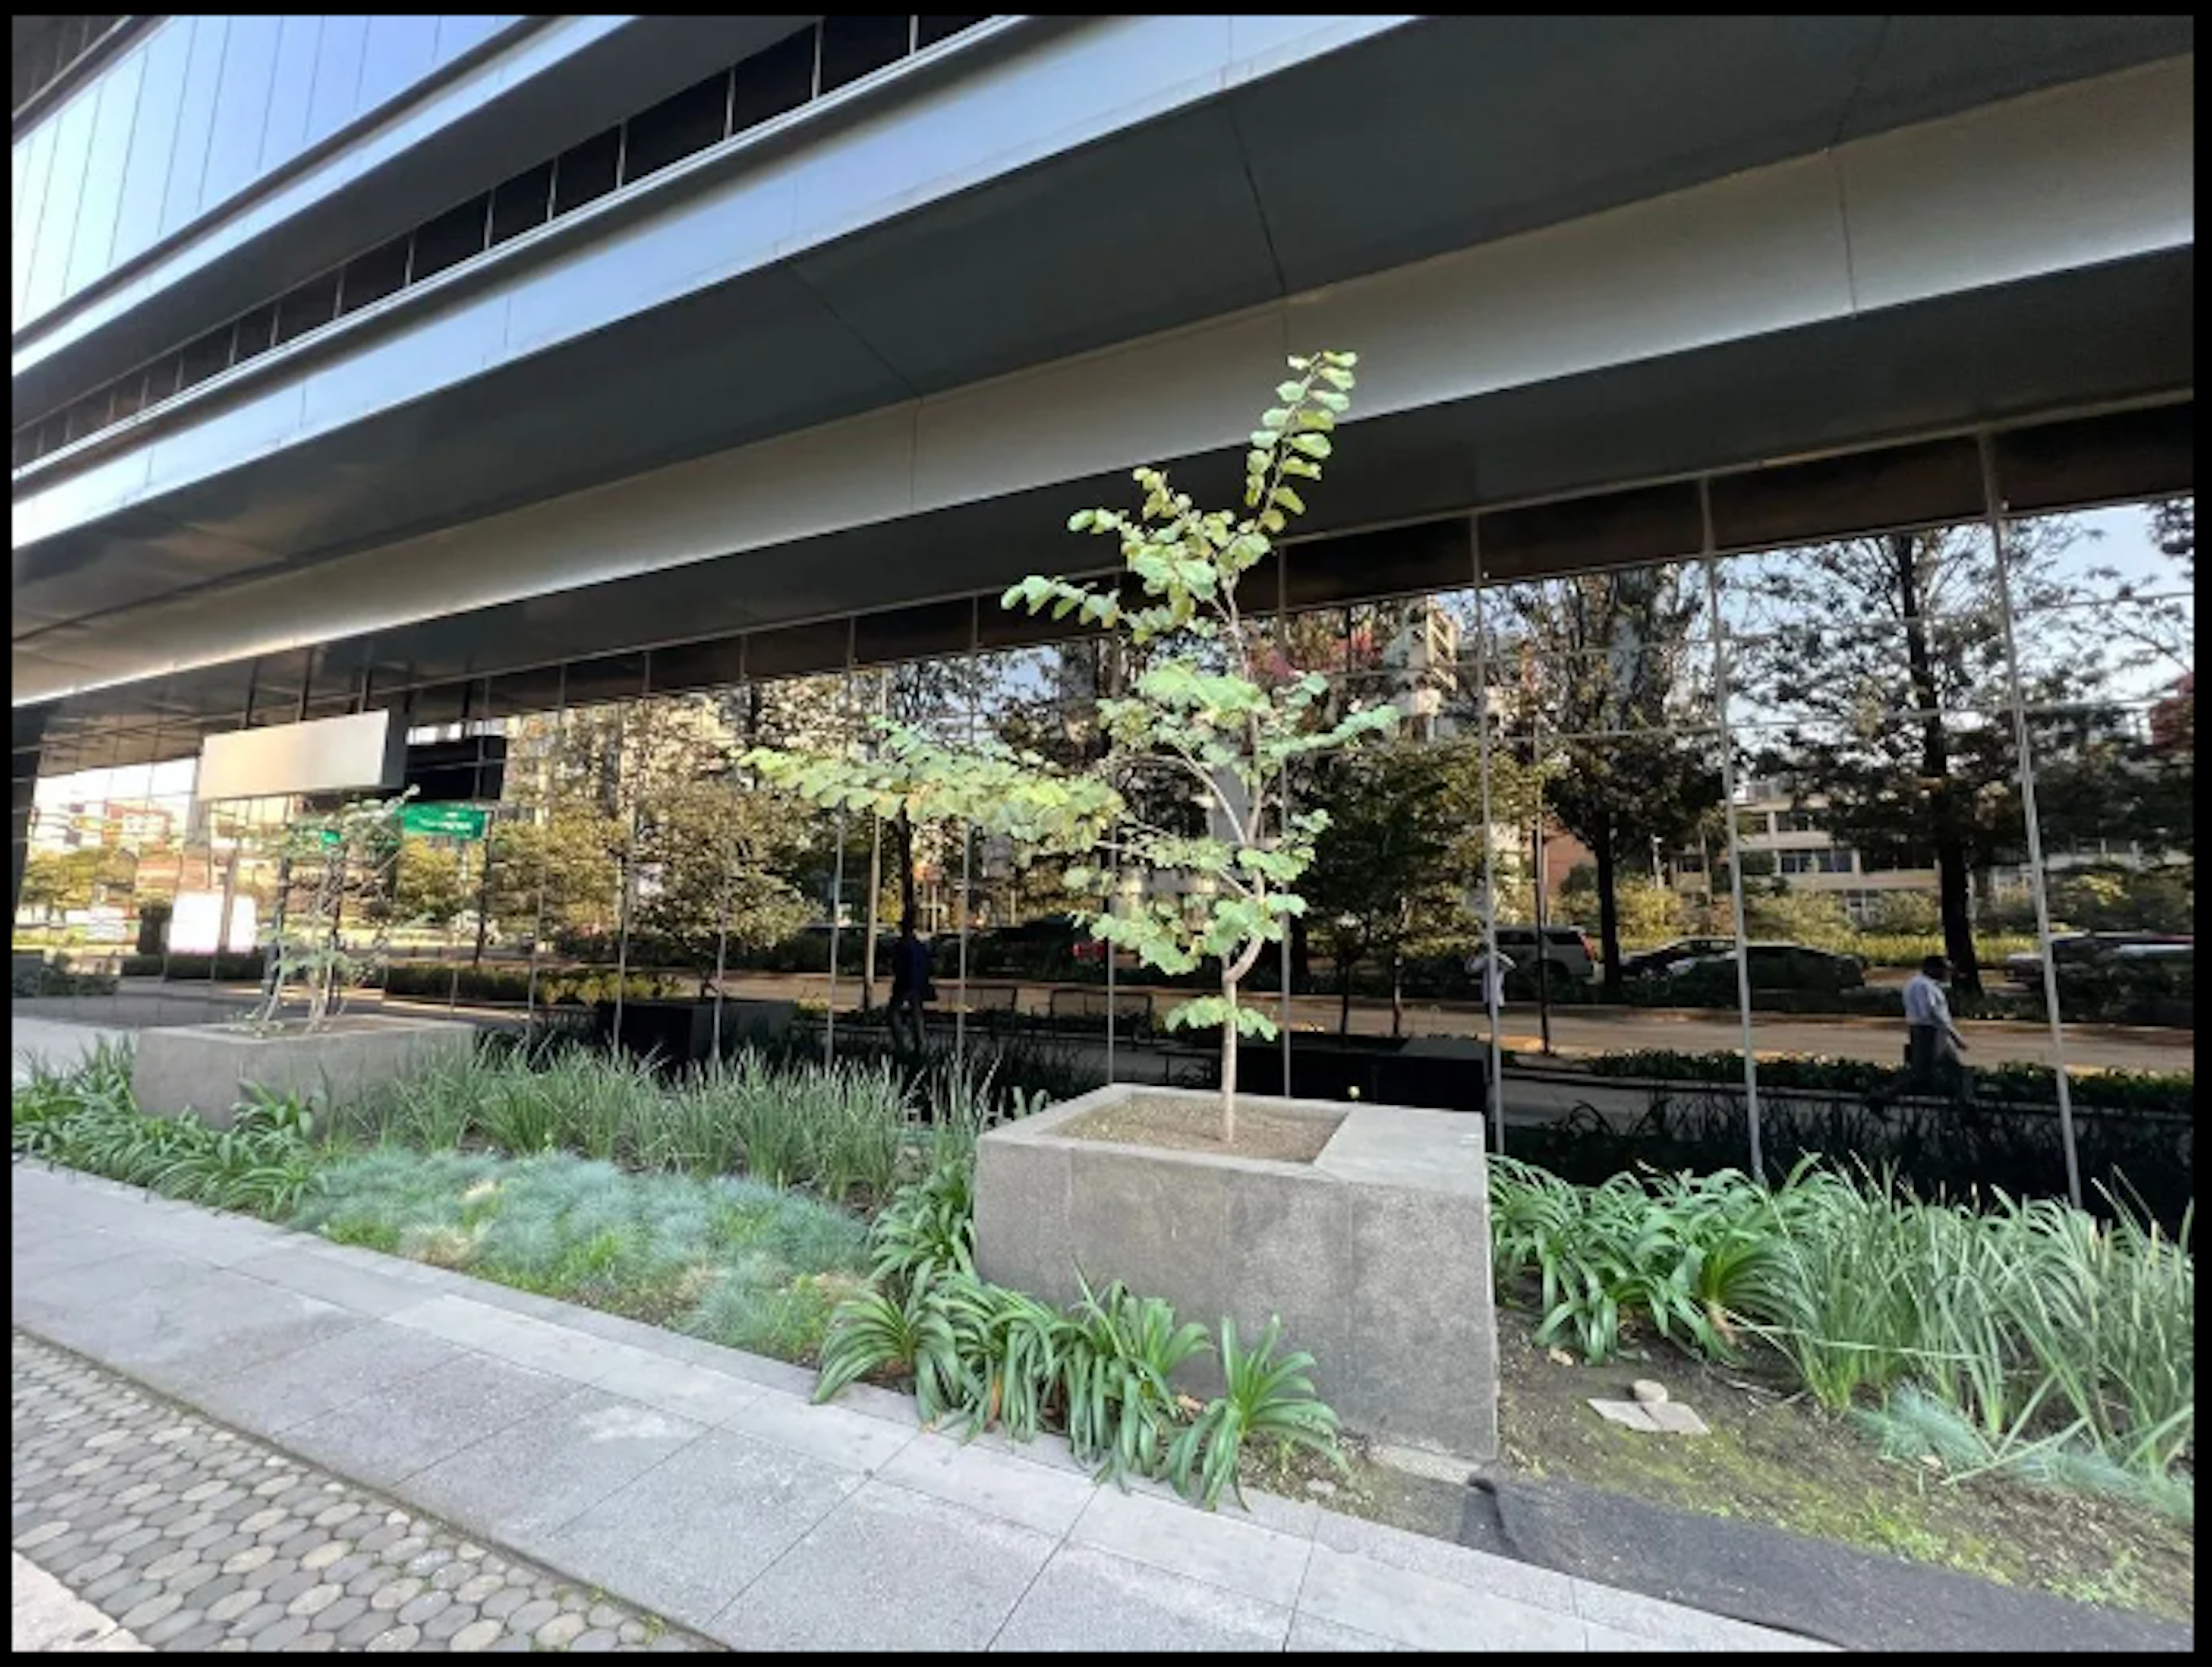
x: 1376, y: 1256
x: 207, y: 1067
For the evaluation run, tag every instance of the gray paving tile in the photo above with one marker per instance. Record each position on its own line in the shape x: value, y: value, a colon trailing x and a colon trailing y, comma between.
x: 753, y: 1368
x: 1479, y: 1570
x: 689, y: 1535
x: 1311, y: 1634
x: 375, y: 1291
x: 873, y: 1403
x: 689, y: 1391
x: 1088, y: 1599
x: 522, y: 1482
x: 889, y: 1569
x: 1035, y: 1495
x: 1240, y: 1557
x: 48, y: 1250
x: 1613, y: 1639
x: 847, y: 1439
x: 391, y: 1432
x: 271, y: 1397
x: 1676, y: 1625
x: 540, y: 1345
x: 1429, y: 1614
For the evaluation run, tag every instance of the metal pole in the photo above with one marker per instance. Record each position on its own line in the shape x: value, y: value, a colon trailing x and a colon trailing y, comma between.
x: 837, y: 899
x: 966, y: 864
x: 1493, y: 980
x: 1543, y: 961
x: 1734, y: 853
x: 622, y: 900
x: 544, y: 844
x: 1993, y: 512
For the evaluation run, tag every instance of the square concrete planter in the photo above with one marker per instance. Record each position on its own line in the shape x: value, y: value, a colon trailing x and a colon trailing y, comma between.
x: 1376, y: 1256
x: 208, y: 1068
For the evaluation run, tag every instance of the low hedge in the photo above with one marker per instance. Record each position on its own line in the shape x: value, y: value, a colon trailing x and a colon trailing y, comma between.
x: 2015, y: 1083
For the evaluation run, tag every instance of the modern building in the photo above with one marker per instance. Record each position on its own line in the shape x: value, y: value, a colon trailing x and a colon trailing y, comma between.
x: 459, y: 368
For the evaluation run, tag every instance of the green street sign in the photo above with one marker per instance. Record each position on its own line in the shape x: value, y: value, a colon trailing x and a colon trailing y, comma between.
x: 445, y: 821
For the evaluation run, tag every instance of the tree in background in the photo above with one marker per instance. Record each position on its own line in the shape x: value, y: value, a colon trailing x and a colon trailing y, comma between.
x: 1399, y: 868
x: 1613, y: 697
x: 716, y: 864
x: 1651, y: 912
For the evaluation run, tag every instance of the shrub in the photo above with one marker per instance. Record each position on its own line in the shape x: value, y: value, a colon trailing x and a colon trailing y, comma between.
x: 85, y: 1118
x: 979, y: 1355
x: 2041, y: 1327
x: 731, y: 1260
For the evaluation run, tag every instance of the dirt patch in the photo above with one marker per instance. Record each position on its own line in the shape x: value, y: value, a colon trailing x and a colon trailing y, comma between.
x: 1192, y: 1122
x: 1781, y: 1460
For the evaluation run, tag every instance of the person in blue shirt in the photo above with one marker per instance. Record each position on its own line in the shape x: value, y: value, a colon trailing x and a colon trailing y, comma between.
x: 911, y: 989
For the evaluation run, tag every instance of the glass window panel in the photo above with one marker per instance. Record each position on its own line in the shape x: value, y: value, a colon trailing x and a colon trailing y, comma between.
x: 64, y: 191
x: 930, y: 30
x: 680, y: 125
x: 310, y: 306
x: 291, y: 89
x: 30, y: 212
x: 94, y: 241
x: 770, y: 82
x: 372, y: 277
x: 856, y: 46
x: 256, y: 333
x: 338, y: 75
x: 522, y: 203
x: 195, y: 122
x: 398, y: 53
x: 249, y: 70
x: 208, y: 356
x: 586, y: 171
x: 152, y: 138
x: 454, y: 236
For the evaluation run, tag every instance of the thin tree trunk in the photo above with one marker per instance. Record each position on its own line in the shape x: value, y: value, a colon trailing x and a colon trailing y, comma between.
x: 1344, y: 997
x: 1229, y: 1064
x: 1397, y: 993
x: 1950, y: 853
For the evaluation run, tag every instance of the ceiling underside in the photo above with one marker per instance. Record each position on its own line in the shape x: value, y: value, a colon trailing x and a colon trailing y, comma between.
x: 1446, y: 133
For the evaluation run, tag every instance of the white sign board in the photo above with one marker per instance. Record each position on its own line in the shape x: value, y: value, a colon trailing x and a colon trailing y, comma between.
x: 198, y: 921
x: 327, y: 755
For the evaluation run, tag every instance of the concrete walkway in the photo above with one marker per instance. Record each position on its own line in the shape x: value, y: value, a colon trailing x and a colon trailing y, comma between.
x: 701, y: 1483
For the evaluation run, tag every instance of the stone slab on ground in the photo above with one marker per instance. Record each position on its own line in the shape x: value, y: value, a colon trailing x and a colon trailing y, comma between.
x: 741, y: 1511
x: 1651, y: 1571
x: 45, y: 1616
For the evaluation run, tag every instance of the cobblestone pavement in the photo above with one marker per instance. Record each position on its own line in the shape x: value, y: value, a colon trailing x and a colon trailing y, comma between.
x: 194, y: 1537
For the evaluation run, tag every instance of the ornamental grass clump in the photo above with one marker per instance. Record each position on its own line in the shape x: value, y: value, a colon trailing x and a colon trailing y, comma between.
x: 2048, y: 1340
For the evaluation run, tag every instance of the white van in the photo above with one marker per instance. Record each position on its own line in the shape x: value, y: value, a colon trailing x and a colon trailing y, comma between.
x: 1565, y: 947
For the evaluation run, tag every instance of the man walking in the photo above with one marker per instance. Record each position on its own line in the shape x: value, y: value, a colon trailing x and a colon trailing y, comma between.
x: 910, y: 987
x: 1933, y: 1046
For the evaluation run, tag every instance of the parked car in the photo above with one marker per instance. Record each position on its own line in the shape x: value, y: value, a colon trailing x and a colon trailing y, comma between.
x: 1567, y: 949
x: 1652, y: 962
x: 2078, y: 949
x: 1783, y: 966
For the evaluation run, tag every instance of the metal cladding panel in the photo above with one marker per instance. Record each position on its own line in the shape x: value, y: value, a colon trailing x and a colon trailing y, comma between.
x: 326, y: 755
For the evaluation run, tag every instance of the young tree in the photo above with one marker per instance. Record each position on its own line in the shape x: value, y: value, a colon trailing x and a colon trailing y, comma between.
x: 1200, y: 714
x: 714, y: 860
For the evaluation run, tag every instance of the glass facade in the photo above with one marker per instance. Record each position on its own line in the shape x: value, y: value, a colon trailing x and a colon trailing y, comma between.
x: 1653, y: 855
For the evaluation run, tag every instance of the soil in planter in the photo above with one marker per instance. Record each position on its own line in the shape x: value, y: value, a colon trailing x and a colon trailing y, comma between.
x: 1192, y: 1122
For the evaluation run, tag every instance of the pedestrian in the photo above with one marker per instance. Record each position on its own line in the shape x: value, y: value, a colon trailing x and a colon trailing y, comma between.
x: 1488, y: 967
x: 911, y: 989
x: 1933, y: 1046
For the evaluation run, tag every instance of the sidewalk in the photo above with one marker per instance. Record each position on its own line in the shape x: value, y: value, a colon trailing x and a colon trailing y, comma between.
x: 701, y: 1483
